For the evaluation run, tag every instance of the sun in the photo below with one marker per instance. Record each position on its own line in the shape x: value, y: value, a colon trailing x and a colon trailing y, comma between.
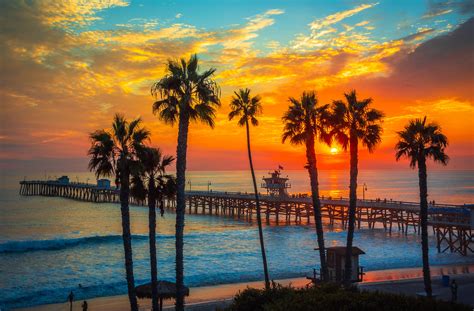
x: 334, y: 150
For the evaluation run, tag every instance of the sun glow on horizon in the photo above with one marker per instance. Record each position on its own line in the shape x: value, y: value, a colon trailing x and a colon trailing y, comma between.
x: 334, y: 150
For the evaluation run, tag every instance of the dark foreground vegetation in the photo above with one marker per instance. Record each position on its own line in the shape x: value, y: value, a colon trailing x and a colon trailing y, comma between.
x: 332, y: 297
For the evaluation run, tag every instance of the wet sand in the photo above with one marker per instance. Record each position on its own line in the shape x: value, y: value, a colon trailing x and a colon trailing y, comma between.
x: 404, y: 281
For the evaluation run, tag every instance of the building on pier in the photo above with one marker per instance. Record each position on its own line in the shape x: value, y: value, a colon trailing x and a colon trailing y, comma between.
x: 103, y: 183
x: 63, y: 180
x: 275, y: 184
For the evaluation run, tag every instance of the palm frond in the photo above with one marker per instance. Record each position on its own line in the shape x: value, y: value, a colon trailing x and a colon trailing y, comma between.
x: 132, y: 126
x: 234, y: 113
x: 184, y: 90
x: 355, y: 117
x: 102, y: 153
x: 205, y: 113
x: 419, y: 139
x: 112, y: 151
x: 247, y: 107
x: 138, y: 190
x: 119, y: 127
x: 305, y: 119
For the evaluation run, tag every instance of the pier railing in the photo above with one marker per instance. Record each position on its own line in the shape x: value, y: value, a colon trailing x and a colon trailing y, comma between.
x: 70, y: 184
x: 70, y: 190
x: 463, y: 208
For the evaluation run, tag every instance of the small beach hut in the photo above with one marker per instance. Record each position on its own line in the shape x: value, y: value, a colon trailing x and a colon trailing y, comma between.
x: 336, y: 263
x: 166, y: 290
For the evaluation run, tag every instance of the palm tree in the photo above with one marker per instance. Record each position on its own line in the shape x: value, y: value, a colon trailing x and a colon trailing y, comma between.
x: 169, y: 193
x: 152, y: 173
x: 304, y: 121
x: 115, y: 153
x: 184, y: 94
x: 246, y: 108
x: 352, y: 121
x: 419, y: 141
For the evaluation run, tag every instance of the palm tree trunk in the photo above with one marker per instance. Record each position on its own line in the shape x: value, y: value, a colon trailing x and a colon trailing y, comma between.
x: 313, y: 176
x: 353, y: 142
x: 126, y: 235
x: 180, y: 205
x: 424, y: 223
x: 152, y: 240
x: 259, y: 216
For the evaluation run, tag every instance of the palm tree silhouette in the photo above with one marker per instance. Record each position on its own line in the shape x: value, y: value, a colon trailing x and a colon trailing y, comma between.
x: 115, y: 153
x: 184, y: 94
x: 417, y: 142
x: 304, y: 121
x: 153, y: 174
x: 246, y: 108
x: 168, y: 191
x: 352, y: 121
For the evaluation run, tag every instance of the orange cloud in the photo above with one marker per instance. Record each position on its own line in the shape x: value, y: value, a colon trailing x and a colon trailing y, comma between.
x: 58, y: 85
x: 339, y: 16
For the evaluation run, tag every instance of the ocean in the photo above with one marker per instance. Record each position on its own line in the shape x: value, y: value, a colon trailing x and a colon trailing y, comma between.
x: 50, y: 246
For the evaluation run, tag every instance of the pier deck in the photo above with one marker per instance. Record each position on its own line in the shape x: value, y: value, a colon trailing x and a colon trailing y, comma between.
x: 452, y: 224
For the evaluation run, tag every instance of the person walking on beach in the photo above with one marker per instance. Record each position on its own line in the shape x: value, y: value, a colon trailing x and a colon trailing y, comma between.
x: 454, y: 291
x: 84, y: 306
x: 70, y: 298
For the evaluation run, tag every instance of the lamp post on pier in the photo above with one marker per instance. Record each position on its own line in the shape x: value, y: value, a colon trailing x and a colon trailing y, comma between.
x: 189, y: 183
x: 364, y: 189
x: 209, y: 186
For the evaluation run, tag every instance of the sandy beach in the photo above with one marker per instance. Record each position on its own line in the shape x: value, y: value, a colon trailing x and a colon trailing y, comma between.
x: 404, y: 281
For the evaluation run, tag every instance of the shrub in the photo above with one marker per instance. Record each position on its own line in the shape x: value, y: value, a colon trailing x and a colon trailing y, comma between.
x: 331, y: 297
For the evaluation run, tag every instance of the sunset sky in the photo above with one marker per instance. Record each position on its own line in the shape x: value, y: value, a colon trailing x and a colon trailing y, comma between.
x: 67, y: 67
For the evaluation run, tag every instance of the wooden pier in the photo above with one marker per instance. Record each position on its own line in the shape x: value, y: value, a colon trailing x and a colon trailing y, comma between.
x: 75, y: 191
x: 452, y: 224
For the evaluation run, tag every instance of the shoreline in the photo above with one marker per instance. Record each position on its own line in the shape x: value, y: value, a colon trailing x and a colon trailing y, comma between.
x: 210, y: 297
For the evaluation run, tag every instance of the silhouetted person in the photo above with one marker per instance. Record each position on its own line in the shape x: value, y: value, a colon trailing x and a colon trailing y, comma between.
x: 162, y: 209
x: 70, y: 298
x: 84, y: 306
x: 454, y: 291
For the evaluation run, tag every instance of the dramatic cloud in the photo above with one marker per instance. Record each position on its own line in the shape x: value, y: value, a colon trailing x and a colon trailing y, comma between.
x: 323, y: 28
x: 337, y: 17
x: 438, y: 8
x: 67, y: 66
x: 442, y: 66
